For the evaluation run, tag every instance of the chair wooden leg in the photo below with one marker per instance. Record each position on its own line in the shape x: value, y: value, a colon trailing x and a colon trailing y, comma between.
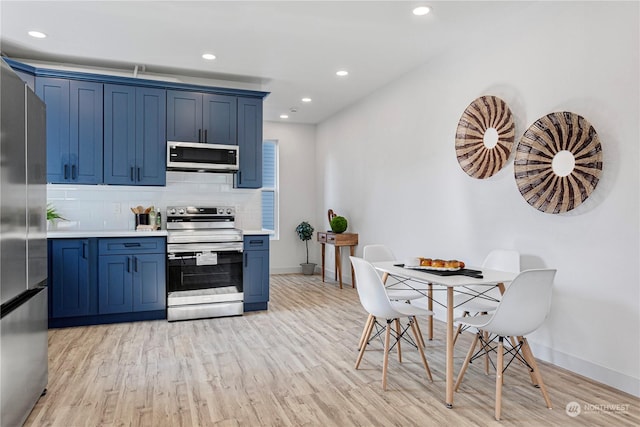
x: 398, y: 332
x: 366, y: 340
x: 385, y: 363
x: 362, y: 342
x: 459, y: 330
x: 467, y: 359
x: 420, y: 338
x: 499, y: 368
x: 532, y: 375
x: 415, y: 331
x: 528, y: 354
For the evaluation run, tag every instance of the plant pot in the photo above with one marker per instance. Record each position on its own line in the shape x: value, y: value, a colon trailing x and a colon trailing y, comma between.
x: 308, y: 268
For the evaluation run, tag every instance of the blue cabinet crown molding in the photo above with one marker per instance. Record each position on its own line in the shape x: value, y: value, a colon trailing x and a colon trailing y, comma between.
x: 105, y: 78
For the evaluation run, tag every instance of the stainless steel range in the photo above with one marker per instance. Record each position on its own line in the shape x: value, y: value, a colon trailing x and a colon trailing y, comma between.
x: 204, y: 250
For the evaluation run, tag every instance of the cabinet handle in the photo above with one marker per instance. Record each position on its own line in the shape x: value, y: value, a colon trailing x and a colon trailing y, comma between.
x: 131, y: 173
x: 199, y: 135
x: 128, y: 265
x: 205, y: 136
x: 138, y: 174
x: 239, y: 177
x: 132, y: 245
x: 84, y: 250
x: 73, y: 172
x: 66, y: 171
x: 135, y: 264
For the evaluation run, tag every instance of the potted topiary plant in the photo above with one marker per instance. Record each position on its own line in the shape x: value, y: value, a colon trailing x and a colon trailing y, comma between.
x: 305, y: 233
x: 338, y: 224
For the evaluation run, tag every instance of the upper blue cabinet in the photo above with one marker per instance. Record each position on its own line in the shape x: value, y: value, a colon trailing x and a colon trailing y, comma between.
x: 114, y: 130
x: 250, y: 143
x: 74, y: 129
x: 134, y: 135
x: 201, y: 117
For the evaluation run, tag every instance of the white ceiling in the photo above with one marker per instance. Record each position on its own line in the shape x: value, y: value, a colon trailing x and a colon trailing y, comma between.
x: 289, y: 48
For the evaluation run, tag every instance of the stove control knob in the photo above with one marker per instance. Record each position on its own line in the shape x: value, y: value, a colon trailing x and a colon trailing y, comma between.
x: 229, y: 211
x: 172, y: 211
x: 181, y: 211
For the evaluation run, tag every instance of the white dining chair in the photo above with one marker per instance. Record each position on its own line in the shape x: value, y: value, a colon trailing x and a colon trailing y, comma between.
x: 523, y: 308
x: 375, y: 301
x: 497, y: 259
x: 380, y: 253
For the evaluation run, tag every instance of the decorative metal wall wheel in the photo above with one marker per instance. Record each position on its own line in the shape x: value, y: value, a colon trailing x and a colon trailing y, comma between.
x: 484, y: 137
x: 558, y: 162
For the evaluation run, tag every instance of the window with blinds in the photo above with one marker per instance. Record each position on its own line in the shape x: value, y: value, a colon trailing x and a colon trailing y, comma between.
x: 270, y: 187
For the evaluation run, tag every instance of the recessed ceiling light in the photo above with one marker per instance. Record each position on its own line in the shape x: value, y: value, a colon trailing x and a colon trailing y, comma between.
x: 284, y: 116
x: 306, y: 99
x: 209, y: 56
x: 421, y: 10
x: 37, y: 34
x: 342, y: 73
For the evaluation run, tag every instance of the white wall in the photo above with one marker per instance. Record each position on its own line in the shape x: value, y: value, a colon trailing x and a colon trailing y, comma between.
x: 296, y: 144
x: 388, y: 164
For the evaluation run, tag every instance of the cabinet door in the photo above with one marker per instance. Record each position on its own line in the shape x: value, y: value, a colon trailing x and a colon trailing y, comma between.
x: 219, y: 119
x: 86, y: 132
x: 55, y: 94
x: 151, y: 140
x: 256, y: 276
x: 115, y: 284
x: 184, y: 116
x: 119, y: 134
x: 149, y: 282
x: 250, y: 143
x: 69, y: 287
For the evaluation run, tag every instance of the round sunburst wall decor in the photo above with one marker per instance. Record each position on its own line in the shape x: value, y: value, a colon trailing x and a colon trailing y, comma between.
x: 484, y: 137
x: 558, y: 162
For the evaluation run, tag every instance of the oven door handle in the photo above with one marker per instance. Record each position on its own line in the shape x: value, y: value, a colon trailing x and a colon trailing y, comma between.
x: 178, y: 257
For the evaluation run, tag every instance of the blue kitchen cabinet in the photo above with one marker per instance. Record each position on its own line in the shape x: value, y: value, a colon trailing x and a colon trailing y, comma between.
x: 134, y: 135
x: 255, y: 279
x: 249, y: 143
x: 132, y: 275
x: 72, y: 292
x: 201, y: 117
x: 74, y: 129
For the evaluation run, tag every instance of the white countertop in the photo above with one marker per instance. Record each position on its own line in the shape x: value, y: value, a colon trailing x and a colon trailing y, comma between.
x: 255, y: 232
x: 79, y: 234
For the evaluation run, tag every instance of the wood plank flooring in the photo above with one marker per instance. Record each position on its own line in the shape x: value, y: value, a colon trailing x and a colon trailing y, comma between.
x: 292, y: 365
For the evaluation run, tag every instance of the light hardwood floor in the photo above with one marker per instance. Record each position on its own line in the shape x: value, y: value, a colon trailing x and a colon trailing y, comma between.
x: 292, y: 366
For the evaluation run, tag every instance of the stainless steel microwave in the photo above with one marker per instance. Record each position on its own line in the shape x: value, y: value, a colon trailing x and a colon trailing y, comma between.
x: 198, y: 156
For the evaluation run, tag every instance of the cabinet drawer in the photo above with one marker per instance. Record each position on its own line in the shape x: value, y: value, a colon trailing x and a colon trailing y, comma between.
x: 256, y: 243
x: 133, y: 245
x: 322, y: 237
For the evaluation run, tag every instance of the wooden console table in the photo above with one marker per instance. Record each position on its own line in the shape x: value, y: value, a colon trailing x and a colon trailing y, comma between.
x: 338, y: 240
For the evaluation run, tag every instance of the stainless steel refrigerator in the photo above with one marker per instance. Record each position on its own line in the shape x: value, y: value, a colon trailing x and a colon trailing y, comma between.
x: 23, y: 249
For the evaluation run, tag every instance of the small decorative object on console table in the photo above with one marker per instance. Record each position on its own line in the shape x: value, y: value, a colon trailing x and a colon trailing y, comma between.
x: 338, y: 240
x: 305, y: 233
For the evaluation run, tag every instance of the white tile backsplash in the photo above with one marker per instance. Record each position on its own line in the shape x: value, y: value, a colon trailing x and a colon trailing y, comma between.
x: 107, y: 207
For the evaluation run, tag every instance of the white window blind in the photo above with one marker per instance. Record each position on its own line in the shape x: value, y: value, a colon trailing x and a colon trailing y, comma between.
x: 270, y: 187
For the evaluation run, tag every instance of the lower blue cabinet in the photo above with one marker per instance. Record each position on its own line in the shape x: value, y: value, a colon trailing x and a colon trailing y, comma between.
x: 255, y: 279
x: 71, y: 290
x: 106, y: 280
x: 131, y: 283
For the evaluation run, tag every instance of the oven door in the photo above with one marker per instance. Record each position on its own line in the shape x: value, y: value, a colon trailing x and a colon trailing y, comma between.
x: 219, y: 272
